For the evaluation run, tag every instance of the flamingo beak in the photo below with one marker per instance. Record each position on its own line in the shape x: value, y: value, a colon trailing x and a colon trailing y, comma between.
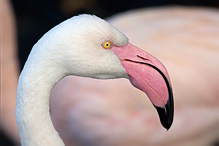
x: 150, y: 76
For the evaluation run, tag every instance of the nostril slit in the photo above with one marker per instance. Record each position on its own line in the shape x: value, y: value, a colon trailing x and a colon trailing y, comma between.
x: 142, y: 58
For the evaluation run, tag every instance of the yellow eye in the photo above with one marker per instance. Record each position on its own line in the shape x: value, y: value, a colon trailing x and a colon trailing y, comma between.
x: 106, y: 45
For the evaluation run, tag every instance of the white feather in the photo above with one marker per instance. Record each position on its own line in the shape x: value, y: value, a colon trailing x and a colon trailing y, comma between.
x: 72, y: 47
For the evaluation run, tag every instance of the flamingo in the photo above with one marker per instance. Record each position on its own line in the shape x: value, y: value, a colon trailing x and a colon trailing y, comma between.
x: 86, y: 46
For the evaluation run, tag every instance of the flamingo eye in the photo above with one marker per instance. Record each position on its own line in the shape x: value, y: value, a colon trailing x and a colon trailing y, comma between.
x: 106, y: 45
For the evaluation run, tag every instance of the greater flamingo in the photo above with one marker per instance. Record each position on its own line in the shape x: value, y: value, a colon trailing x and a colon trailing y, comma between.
x: 84, y: 46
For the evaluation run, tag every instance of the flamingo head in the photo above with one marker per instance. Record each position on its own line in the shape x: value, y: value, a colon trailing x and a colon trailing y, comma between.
x: 94, y: 48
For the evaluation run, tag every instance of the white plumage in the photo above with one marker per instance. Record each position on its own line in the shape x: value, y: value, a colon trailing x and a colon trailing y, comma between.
x: 66, y: 49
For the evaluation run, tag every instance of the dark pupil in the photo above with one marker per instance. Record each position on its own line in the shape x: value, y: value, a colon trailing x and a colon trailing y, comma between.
x: 107, y: 44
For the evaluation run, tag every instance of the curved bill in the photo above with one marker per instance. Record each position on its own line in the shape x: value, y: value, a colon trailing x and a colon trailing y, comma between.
x: 149, y: 75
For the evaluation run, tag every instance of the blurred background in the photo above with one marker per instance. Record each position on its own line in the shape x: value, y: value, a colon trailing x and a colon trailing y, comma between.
x: 184, y: 35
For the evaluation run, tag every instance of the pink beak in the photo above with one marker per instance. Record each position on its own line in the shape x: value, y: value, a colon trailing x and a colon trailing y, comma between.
x: 149, y: 75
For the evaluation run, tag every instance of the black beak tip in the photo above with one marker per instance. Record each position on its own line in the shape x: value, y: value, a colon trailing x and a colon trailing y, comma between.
x: 166, y: 114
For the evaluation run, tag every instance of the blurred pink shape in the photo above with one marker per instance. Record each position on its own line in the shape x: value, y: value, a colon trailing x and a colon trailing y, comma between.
x: 111, y: 112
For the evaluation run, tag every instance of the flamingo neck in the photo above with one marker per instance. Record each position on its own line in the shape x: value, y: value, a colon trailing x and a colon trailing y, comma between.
x: 32, y: 105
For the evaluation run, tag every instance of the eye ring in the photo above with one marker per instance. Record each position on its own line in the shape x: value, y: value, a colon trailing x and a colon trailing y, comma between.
x: 106, y: 45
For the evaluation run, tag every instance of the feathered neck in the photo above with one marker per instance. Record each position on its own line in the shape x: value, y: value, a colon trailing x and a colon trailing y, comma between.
x: 38, y: 77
